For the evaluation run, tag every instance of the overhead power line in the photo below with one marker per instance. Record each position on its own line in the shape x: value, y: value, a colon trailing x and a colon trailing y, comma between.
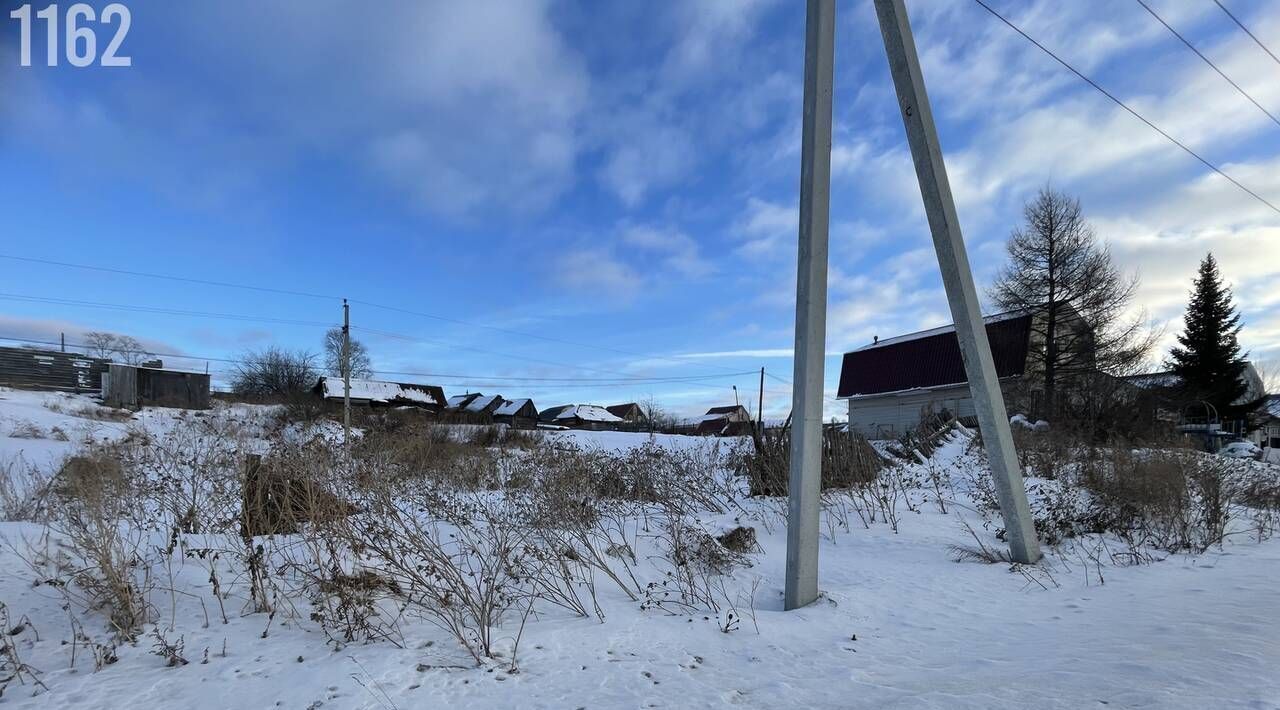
x: 371, y: 304
x: 1209, y: 62
x: 181, y: 279
x: 1246, y: 31
x: 553, y: 381
x: 318, y: 324
x: 1125, y: 106
x: 161, y: 311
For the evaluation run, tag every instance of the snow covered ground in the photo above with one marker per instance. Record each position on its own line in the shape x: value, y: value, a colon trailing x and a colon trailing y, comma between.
x: 900, y: 625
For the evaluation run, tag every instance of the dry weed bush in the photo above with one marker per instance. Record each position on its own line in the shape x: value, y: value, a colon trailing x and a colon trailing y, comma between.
x: 26, y: 429
x: 99, y: 558
x: 12, y: 667
x: 24, y: 489
x: 85, y: 410
x: 848, y: 460
x: 1153, y: 500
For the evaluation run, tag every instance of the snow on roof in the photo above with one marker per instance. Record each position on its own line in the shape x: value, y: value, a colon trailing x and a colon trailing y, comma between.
x: 482, y: 402
x: 995, y: 318
x: 510, y: 407
x: 587, y: 413
x: 377, y: 391
x: 1154, y: 380
x: 457, y: 400
x: 1272, y: 405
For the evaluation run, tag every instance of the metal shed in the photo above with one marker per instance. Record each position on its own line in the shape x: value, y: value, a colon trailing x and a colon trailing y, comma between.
x: 133, y: 386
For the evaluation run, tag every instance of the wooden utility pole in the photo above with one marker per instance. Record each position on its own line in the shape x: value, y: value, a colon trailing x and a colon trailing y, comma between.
x: 346, y: 376
x: 804, y: 482
x: 953, y: 260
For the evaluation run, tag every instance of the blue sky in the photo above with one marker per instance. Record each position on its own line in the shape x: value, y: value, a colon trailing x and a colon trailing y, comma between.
x: 621, y: 176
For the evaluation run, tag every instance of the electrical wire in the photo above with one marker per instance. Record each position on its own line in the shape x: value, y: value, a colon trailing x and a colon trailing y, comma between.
x: 1125, y: 106
x: 616, y: 381
x: 277, y: 321
x: 1209, y: 62
x: 1246, y: 31
x: 371, y: 304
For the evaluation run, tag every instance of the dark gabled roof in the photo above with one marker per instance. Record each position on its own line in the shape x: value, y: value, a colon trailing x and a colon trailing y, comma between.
x: 931, y: 358
x: 722, y: 427
x: 625, y: 410
x: 549, y: 414
x: 726, y: 410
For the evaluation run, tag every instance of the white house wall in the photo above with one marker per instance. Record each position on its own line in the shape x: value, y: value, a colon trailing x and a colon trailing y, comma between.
x: 891, y: 415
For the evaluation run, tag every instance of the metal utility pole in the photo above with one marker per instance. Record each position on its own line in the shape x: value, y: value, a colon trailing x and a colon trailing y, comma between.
x: 346, y: 375
x: 979, y: 367
x: 804, y: 484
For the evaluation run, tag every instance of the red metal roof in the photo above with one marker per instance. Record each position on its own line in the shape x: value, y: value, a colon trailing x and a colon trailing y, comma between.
x: 932, y: 359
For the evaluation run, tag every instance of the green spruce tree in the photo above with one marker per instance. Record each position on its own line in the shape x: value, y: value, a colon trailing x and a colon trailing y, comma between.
x: 1208, y: 357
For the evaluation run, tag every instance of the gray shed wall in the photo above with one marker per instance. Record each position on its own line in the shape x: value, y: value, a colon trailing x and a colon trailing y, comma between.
x: 132, y: 387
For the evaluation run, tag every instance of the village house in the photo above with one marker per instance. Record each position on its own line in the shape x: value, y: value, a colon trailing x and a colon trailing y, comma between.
x: 1194, y: 417
x: 1268, y: 434
x: 580, y: 416
x: 732, y: 420
x: 630, y: 413
x: 518, y: 413
x: 374, y: 393
x: 892, y: 383
x: 475, y: 404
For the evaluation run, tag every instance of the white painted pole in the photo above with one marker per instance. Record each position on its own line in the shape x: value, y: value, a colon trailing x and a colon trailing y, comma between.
x: 805, y: 481
x: 953, y: 260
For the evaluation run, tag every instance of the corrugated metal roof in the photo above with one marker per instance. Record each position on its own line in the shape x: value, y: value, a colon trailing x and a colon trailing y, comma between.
x: 932, y: 358
x: 380, y: 391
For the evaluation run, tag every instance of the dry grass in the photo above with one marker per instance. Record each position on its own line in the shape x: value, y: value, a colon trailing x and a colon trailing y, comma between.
x: 848, y: 460
x: 24, y: 429
x: 90, y: 411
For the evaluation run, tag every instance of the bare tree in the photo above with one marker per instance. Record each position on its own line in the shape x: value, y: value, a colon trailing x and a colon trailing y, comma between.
x: 99, y: 344
x: 1056, y: 260
x: 1269, y: 371
x: 361, y: 366
x: 130, y: 351
x: 275, y: 372
x: 656, y: 418
x: 119, y: 348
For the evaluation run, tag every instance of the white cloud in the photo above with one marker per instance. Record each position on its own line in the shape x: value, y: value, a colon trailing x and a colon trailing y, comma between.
x: 463, y: 106
x: 595, y: 274
x: 651, y: 151
x: 681, y: 251
x: 766, y: 226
